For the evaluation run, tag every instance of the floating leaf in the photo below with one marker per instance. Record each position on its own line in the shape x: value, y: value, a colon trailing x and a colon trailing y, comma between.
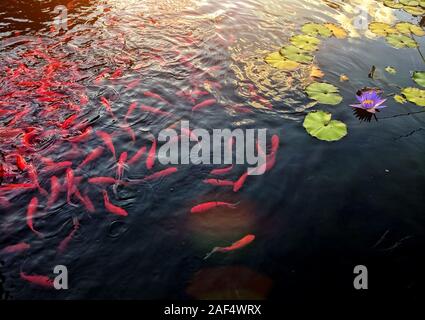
x: 409, y: 28
x: 400, y: 99
x: 296, y: 54
x: 415, y: 95
x: 391, y: 70
x: 343, y: 78
x: 276, y: 60
x: 381, y: 29
x: 416, y: 11
x: 324, y: 93
x: 393, y: 4
x: 319, y: 125
x: 400, y: 41
x: 316, y: 72
x: 419, y: 78
x: 315, y: 29
x: 412, y: 3
x: 337, y: 31
x: 305, y: 42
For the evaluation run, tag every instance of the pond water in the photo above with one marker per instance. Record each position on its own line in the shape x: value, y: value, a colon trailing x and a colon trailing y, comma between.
x: 324, y: 207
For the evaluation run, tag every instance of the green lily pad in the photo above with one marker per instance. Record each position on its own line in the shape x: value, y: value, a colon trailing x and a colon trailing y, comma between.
x: 305, y: 42
x: 276, y: 60
x: 400, y: 41
x: 391, y: 70
x: 296, y: 54
x: 415, y: 11
x: 393, y: 4
x: 415, y: 95
x: 324, y: 93
x: 381, y: 29
x: 410, y: 28
x: 319, y: 125
x: 400, y: 99
x: 412, y: 3
x: 315, y: 29
x: 419, y: 78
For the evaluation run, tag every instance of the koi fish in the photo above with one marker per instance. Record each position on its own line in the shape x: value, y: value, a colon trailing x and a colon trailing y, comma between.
x: 85, y: 200
x: 83, y: 136
x: 150, y: 161
x: 57, y: 166
x: 130, y: 110
x: 32, y: 173
x: 38, y: 280
x: 118, y: 73
x: 220, y: 183
x: 137, y: 155
x: 55, y: 189
x: 96, y: 153
x: 221, y: 171
x: 22, y: 246
x: 17, y: 186
x: 101, y: 76
x: 111, y: 207
x: 69, y: 121
x: 203, y: 104
x: 21, y: 163
x: 154, y: 110
x: 121, y: 165
x: 160, y: 174
x: 107, y: 105
x: 211, y: 205
x: 31, y: 210
x: 275, y: 143
x: 156, y: 96
x: 132, y: 84
x: 234, y: 246
x: 107, y: 139
x: 240, y: 182
x: 102, y: 180
x: 70, y: 182
x: 65, y: 242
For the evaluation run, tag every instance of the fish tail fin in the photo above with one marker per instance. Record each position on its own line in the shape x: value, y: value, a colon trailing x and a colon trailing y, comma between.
x: 211, y: 253
x: 234, y: 205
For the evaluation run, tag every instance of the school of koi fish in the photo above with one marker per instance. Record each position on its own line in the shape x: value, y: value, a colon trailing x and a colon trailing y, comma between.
x: 45, y: 108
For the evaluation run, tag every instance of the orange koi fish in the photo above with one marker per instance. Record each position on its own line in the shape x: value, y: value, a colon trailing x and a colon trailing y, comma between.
x: 154, y: 110
x: 82, y: 137
x: 234, y: 246
x: 130, y: 110
x: 156, y: 96
x: 71, y: 187
x: 111, y: 207
x: 211, y: 205
x: 31, y: 211
x: 107, y: 139
x: 69, y: 121
x: 121, y: 165
x: 240, y: 182
x: 107, y: 105
x: 38, y: 280
x: 150, y: 161
x: 102, y: 180
x: 55, y: 189
x: 137, y: 155
x: 221, y: 171
x: 96, y: 153
x: 21, y: 163
x: 219, y: 183
x: 22, y: 246
x: 160, y: 174
x: 65, y: 242
x: 203, y: 104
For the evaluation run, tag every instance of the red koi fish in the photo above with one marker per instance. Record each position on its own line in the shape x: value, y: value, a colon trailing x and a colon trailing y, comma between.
x: 69, y: 121
x: 22, y: 246
x: 219, y: 183
x: 107, y: 105
x: 31, y: 211
x: 154, y: 110
x: 28, y: 136
x: 211, y: 205
x: 65, y: 242
x: 137, y: 155
x: 275, y: 143
x: 117, y: 74
x: 32, y: 173
x: 17, y: 186
x: 96, y: 153
x: 107, y: 139
x: 160, y: 174
x: 234, y: 246
x: 85, y: 200
x: 133, y: 84
x: 55, y: 189
x: 111, y: 207
x: 240, y: 182
x: 70, y: 182
x: 57, y: 166
x: 121, y: 165
x: 21, y: 163
x: 38, y: 280
x: 130, y: 110
x: 156, y: 96
x: 150, y: 161
x: 101, y: 76
x: 221, y: 171
x: 102, y: 180
x: 82, y: 137
x: 203, y: 104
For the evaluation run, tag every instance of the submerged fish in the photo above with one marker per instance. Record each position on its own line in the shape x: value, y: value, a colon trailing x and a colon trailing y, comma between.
x: 234, y: 246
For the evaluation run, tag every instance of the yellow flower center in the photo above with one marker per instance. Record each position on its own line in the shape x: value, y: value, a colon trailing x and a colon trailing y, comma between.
x: 368, y: 102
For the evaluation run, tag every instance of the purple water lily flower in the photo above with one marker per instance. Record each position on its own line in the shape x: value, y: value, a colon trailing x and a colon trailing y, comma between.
x: 370, y: 101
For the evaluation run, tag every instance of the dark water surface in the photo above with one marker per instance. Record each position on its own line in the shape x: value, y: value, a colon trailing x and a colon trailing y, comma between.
x: 319, y: 212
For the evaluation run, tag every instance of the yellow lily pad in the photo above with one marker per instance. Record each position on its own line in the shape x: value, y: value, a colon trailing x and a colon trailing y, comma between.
x: 276, y: 60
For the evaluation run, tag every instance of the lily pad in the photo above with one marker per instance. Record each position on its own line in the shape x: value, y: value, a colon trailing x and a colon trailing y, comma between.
x: 276, y: 60
x: 382, y: 29
x: 296, y: 54
x: 415, y: 11
x: 305, y: 42
x: 337, y: 31
x: 393, y: 4
x: 324, y: 93
x: 315, y: 29
x: 415, y: 95
x: 419, y: 78
x: 410, y: 28
x: 400, y: 41
x: 391, y: 70
x: 320, y: 125
x: 412, y: 3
